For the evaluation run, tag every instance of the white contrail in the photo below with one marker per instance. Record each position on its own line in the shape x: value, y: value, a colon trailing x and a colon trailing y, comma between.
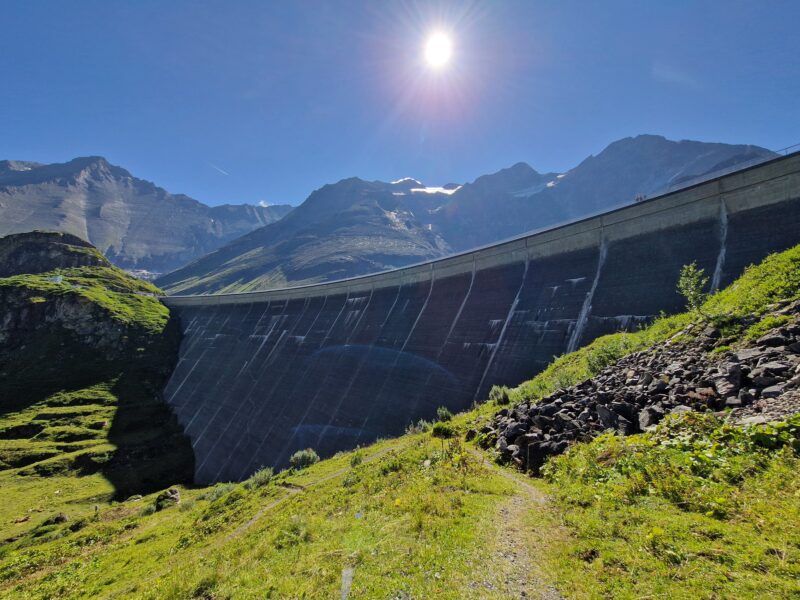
x: 216, y: 168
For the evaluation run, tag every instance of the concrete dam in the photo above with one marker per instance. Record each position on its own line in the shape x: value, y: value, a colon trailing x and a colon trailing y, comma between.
x: 331, y: 366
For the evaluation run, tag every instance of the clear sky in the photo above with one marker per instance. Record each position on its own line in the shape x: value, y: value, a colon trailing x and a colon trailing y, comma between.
x: 266, y: 101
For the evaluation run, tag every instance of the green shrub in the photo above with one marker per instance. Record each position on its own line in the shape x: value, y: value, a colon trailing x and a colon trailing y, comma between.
x: 443, y: 431
x: 391, y: 464
x: 499, y: 395
x: 259, y: 479
x: 443, y: 413
x: 217, y: 492
x: 303, y: 458
x: 56, y: 519
x: 420, y: 426
x: 356, y: 459
x: 78, y: 525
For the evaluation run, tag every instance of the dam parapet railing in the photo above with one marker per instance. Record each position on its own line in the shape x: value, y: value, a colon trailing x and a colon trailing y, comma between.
x: 694, y: 199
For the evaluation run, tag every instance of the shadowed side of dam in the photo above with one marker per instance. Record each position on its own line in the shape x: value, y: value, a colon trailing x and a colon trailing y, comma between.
x: 332, y: 366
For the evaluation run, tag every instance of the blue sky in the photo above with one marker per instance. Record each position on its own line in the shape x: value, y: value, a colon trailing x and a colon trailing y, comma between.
x: 267, y: 101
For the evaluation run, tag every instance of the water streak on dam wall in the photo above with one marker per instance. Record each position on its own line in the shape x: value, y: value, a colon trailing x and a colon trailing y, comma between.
x: 334, y: 365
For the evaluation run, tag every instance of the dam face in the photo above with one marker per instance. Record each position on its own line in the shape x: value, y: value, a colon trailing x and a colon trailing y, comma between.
x: 331, y: 366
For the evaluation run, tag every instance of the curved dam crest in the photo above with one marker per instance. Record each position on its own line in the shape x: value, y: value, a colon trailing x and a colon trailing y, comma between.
x: 331, y: 366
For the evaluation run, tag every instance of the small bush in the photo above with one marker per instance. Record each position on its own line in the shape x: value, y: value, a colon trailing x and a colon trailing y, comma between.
x: 303, y: 458
x: 391, y: 464
x: 206, y: 589
x: 217, y: 492
x: 499, y: 395
x: 259, y: 479
x: 78, y: 525
x: 356, y: 459
x: 443, y: 413
x: 420, y: 426
x: 167, y: 499
x: 443, y: 431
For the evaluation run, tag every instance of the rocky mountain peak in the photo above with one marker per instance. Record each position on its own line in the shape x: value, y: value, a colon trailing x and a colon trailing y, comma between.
x: 16, y: 166
x: 517, y: 178
x: 137, y: 224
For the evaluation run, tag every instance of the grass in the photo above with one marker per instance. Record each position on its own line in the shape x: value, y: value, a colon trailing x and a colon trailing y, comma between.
x: 696, y: 509
x: 410, y: 523
x: 126, y: 299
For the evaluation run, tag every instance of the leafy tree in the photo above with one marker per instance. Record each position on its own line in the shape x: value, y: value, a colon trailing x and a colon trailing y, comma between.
x: 691, y: 285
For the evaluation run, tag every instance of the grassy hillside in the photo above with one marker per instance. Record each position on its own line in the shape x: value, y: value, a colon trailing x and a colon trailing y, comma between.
x: 693, y: 509
x: 84, y: 353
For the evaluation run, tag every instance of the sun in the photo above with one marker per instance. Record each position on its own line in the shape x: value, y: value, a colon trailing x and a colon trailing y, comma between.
x: 438, y: 50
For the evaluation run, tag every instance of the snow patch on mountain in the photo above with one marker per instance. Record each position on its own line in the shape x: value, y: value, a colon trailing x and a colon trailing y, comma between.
x: 435, y: 190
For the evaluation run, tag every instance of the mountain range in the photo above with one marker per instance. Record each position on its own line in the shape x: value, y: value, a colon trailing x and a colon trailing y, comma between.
x: 135, y: 223
x: 344, y: 229
x: 355, y: 227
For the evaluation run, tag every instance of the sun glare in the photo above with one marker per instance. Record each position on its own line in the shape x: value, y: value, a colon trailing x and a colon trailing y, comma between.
x: 438, y: 50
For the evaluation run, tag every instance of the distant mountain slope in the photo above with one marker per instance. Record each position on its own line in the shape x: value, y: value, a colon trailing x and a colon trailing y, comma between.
x: 516, y: 200
x: 343, y: 229
x: 356, y: 227
x: 133, y: 222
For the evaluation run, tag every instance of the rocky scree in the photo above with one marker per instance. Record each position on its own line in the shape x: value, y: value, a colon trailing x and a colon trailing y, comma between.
x: 756, y: 383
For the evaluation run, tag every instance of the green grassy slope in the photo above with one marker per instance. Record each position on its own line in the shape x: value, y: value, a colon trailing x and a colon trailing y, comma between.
x: 407, y: 518
x: 695, y: 509
x: 82, y: 364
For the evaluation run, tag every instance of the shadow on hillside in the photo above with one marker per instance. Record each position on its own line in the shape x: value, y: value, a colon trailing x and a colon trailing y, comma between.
x: 54, y: 371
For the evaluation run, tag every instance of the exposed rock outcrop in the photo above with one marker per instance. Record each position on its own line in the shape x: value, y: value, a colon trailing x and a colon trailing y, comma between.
x: 27, y: 309
x: 43, y: 251
x: 759, y: 382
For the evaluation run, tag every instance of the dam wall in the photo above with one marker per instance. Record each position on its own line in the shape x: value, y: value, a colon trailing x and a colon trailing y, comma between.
x: 331, y: 366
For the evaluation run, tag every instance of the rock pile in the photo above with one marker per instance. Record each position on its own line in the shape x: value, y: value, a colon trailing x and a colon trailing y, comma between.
x: 759, y: 382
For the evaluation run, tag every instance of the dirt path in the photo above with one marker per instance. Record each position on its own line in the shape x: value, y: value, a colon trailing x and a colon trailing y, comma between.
x: 517, y: 569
